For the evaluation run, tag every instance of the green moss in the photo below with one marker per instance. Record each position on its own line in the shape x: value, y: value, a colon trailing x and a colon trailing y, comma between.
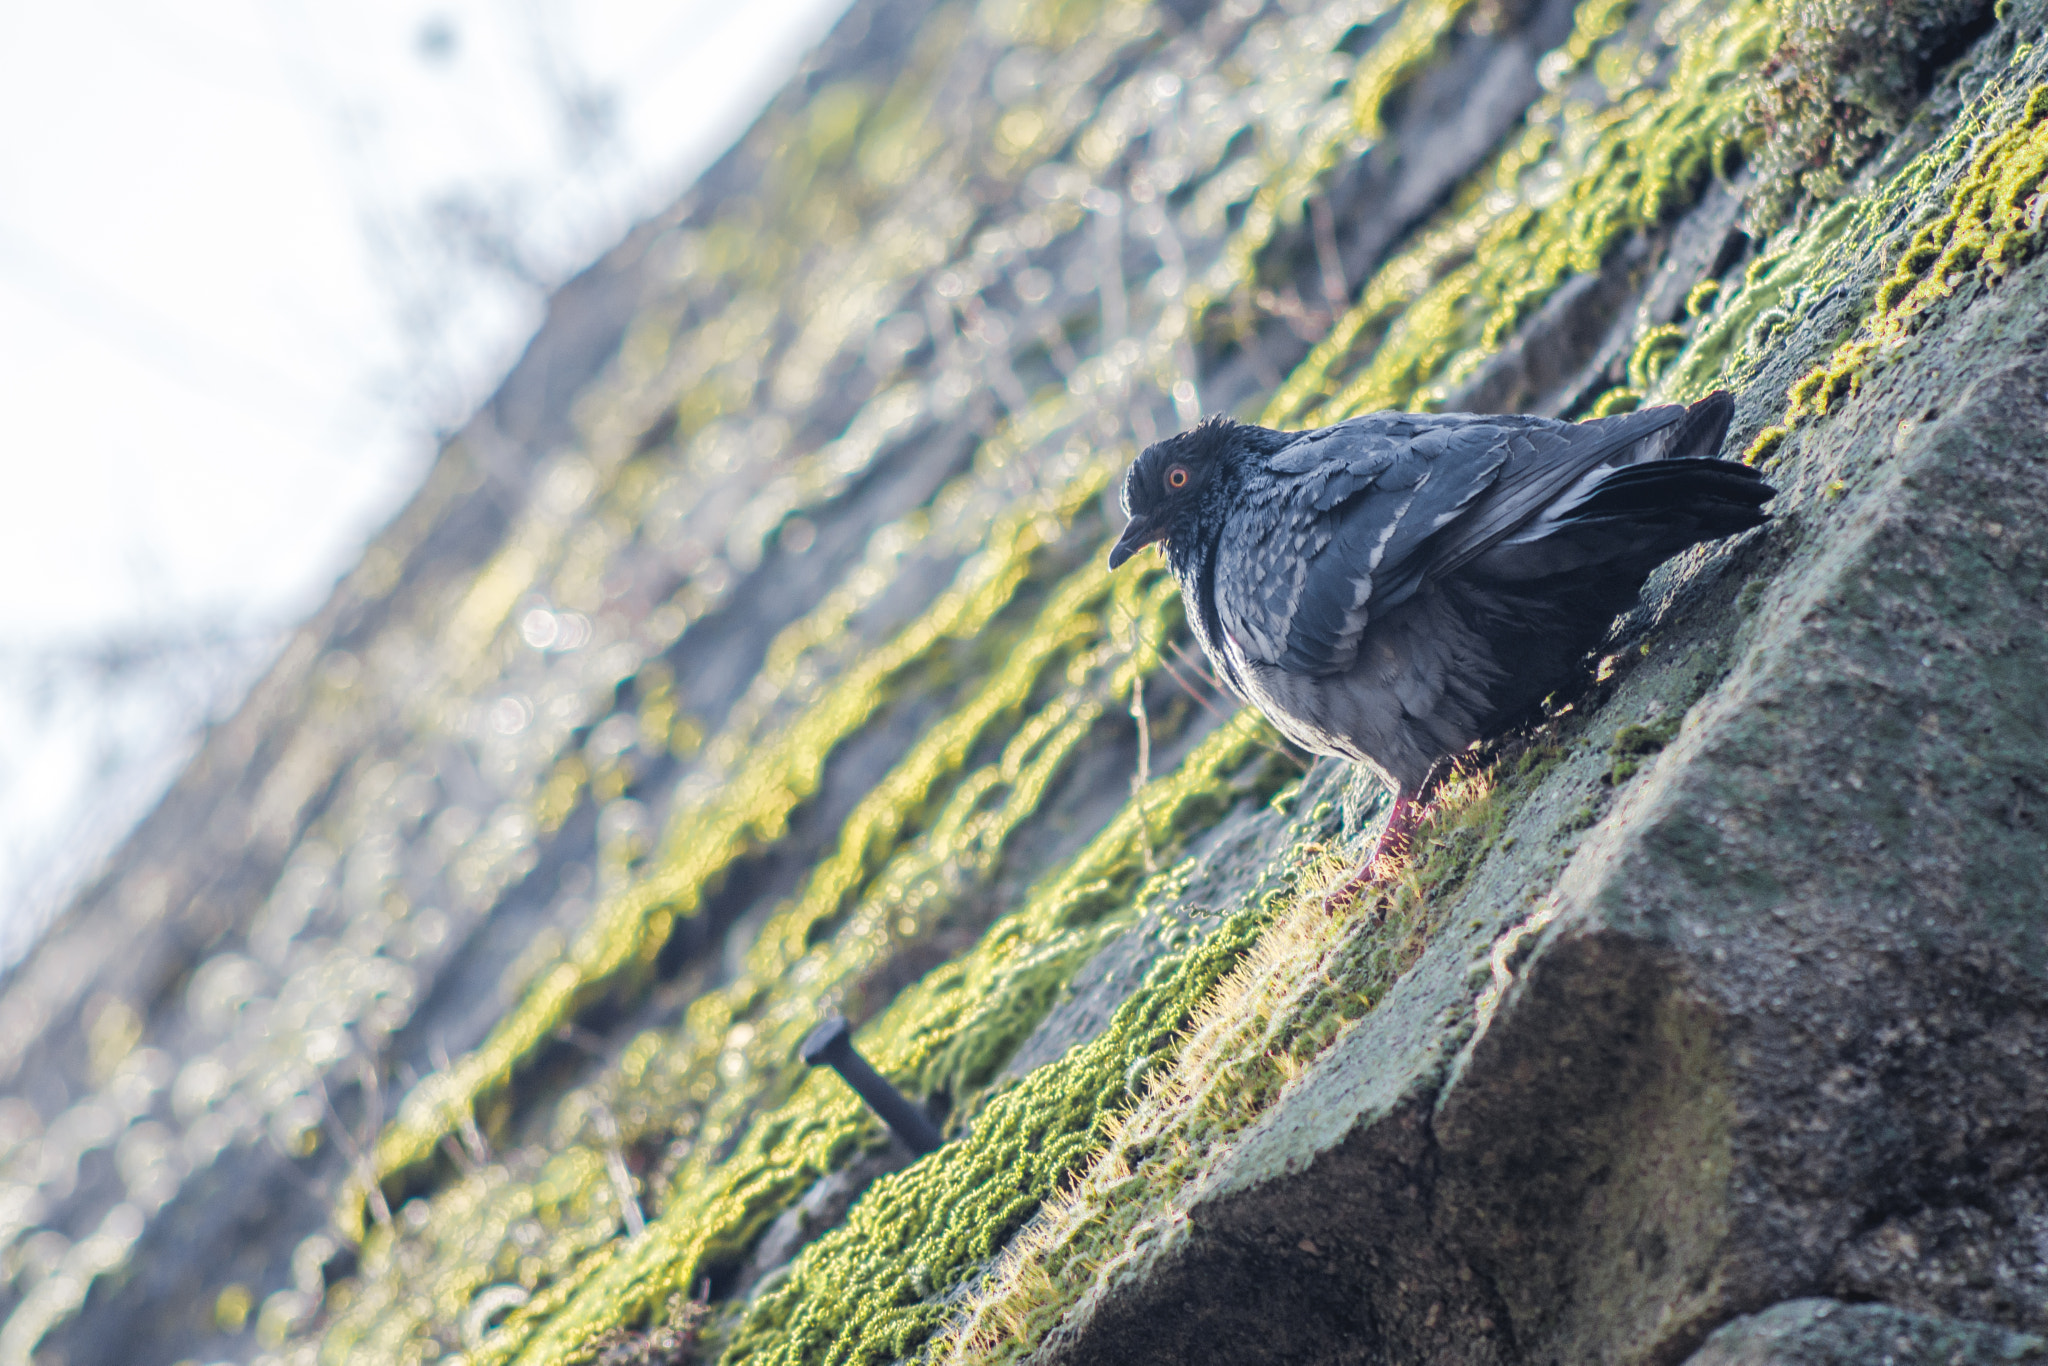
x: 731, y: 1060
x: 624, y: 935
x: 1620, y: 399
x: 1990, y: 221
x: 948, y: 1031
x: 1633, y: 745
x: 1323, y: 960
x: 867, y: 1292
x: 1655, y: 350
x: 1845, y: 75
x: 1765, y: 445
x: 774, y: 1131
x: 1434, y: 313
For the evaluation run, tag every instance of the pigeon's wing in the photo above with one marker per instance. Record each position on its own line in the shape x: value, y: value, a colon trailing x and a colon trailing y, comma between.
x: 1331, y: 537
x: 1322, y: 468
x: 1544, y: 461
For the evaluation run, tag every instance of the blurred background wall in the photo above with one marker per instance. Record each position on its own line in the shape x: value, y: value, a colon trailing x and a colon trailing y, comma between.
x: 258, y: 260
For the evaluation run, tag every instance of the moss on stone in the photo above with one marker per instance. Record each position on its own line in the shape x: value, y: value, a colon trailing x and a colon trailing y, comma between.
x: 1552, y: 206
x: 1844, y: 76
x: 624, y: 936
x: 1634, y: 743
x: 1323, y: 960
x: 948, y: 1030
x: 1655, y: 350
x: 1991, y: 222
x: 741, y: 1132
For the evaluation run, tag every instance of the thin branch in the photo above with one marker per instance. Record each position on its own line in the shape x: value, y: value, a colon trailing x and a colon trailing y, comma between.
x: 615, y: 1167
x: 1335, y: 291
x: 1143, y: 776
x: 476, y: 1147
x: 358, y: 1155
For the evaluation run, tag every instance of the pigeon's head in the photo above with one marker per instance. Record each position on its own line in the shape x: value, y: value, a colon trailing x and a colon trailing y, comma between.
x: 1163, y: 488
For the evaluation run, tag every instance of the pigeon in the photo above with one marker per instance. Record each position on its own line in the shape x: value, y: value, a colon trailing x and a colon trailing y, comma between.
x: 1395, y: 587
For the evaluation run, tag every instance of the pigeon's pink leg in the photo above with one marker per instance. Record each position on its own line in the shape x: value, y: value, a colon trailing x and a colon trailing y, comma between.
x: 1393, y: 843
x: 1401, y: 823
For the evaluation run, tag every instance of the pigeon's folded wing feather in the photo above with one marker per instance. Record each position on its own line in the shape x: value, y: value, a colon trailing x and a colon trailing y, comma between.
x: 1261, y: 572
x: 1544, y: 462
x: 1322, y: 468
x: 1331, y: 541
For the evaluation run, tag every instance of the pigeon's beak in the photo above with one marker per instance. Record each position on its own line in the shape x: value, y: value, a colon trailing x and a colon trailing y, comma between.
x: 1139, y: 532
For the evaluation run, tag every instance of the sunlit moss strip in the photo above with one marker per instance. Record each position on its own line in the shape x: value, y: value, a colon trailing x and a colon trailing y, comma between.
x: 1026, y: 954
x: 754, y: 807
x: 1382, y: 69
x: 1389, y: 63
x: 692, y: 1082
x: 867, y: 1292
x: 685, y: 1082
x: 1390, y: 292
x: 784, y: 990
x: 759, y: 1017
x: 876, y: 825
x: 1073, y: 619
x: 1739, y: 333
x: 1802, y: 266
x: 1991, y: 224
x: 568, y: 1197
x: 1323, y: 963
x: 1474, y: 216
x: 1642, y: 160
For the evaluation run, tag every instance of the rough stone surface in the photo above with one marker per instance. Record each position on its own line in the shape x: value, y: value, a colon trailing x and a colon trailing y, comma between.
x: 1829, y: 1333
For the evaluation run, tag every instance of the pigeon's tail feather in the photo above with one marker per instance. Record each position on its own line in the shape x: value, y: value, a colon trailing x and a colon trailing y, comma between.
x: 1680, y: 484
x: 1697, y: 435
x: 1634, y: 519
x: 1551, y: 467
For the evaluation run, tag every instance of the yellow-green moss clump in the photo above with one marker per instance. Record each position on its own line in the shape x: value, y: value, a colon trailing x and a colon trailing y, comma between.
x: 626, y: 934
x: 1991, y: 223
x: 1555, y: 202
x: 948, y: 1032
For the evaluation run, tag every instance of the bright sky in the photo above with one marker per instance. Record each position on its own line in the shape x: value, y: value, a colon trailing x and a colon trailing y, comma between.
x: 229, y: 322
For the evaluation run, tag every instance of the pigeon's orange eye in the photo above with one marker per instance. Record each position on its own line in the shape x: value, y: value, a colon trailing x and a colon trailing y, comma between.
x: 1177, y: 477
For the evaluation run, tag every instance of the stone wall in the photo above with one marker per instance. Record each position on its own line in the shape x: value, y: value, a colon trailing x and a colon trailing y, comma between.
x: 751, y: 657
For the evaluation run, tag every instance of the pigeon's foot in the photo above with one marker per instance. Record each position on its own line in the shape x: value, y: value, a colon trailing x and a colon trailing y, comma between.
x: 1392, y: 847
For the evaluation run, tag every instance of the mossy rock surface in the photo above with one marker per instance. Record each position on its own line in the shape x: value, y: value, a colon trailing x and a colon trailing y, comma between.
x: 1817, y: 1332
x: 1783, y: 1025
x: 752, y: 657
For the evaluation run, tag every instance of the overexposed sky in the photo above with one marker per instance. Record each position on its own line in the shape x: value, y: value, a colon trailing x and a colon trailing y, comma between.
x: 253, y: 255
